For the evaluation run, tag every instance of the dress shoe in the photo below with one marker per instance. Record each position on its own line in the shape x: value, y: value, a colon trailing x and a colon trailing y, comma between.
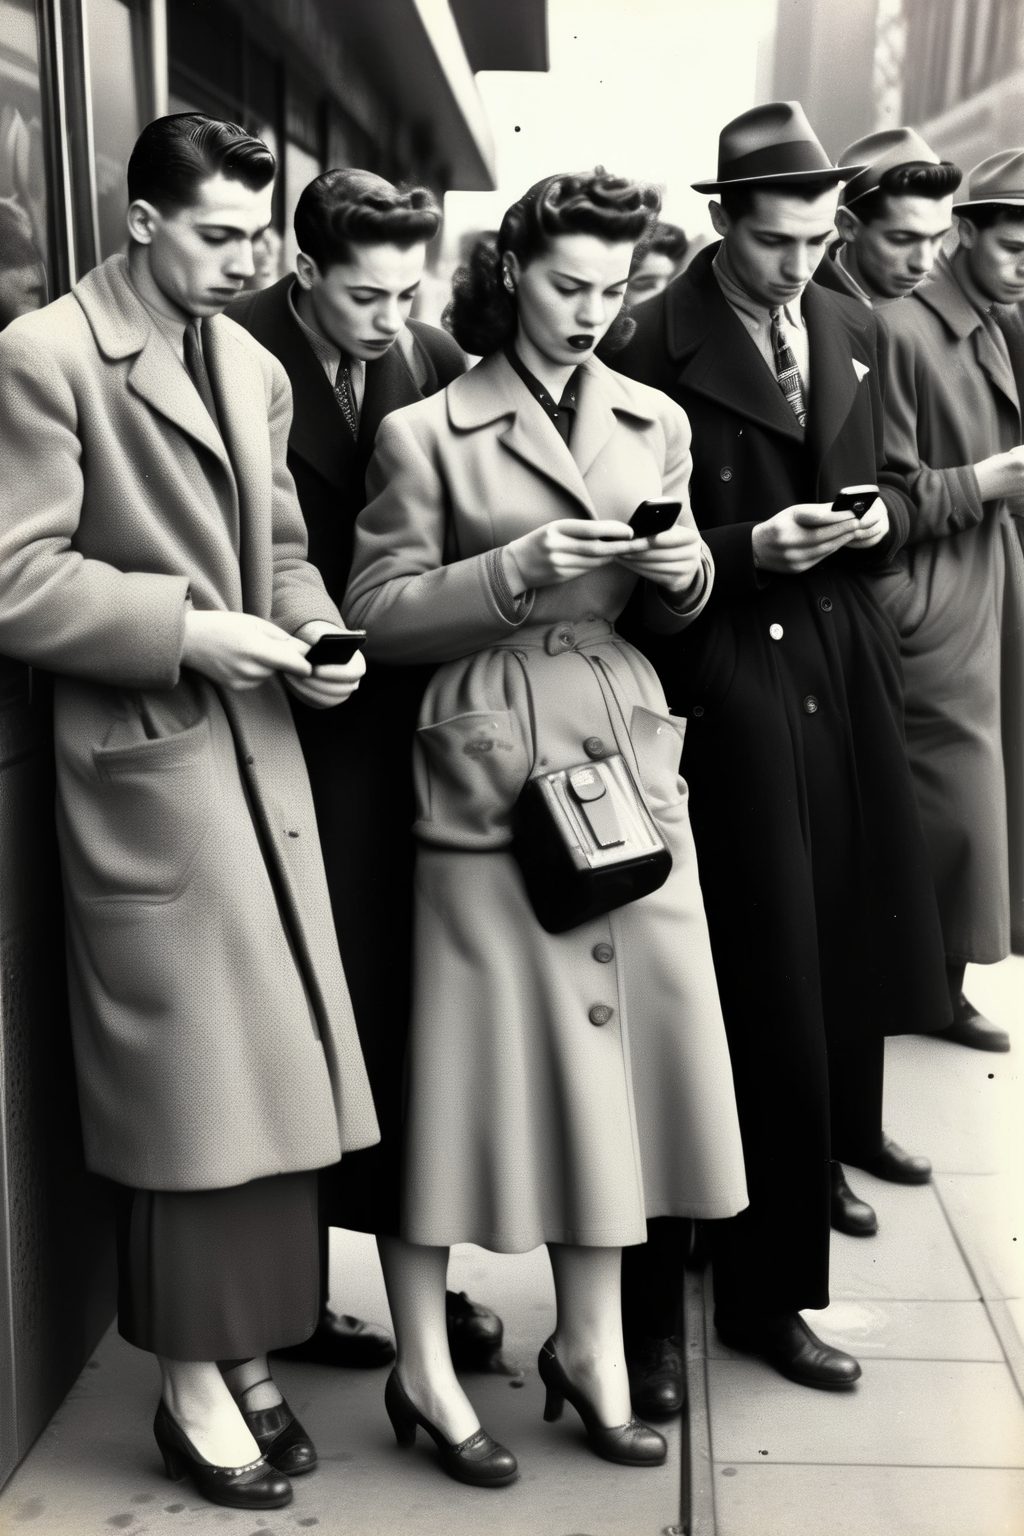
x: 630, y: 1445
x: 786, y: 1342
x: 343, y: 1340
x: 895, y: 1165
x: 480, y: 1460
x: 971, y: 1028
x: 280, y: 1437
x: 657, y: 1381
x: 474, y: 1332
x: 849, y: 1214
x: 255, y: 1486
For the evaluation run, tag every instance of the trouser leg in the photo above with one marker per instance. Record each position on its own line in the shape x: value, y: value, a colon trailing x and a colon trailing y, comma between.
x: 652, y: 1280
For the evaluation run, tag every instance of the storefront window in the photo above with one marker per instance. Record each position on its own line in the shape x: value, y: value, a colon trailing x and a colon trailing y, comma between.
x: 114, y: 99
x: 23, y: 251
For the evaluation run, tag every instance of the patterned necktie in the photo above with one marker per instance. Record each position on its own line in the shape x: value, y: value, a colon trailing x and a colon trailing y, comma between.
x: 196, y: 366
x: 786, y: 368
x: 343, y: 395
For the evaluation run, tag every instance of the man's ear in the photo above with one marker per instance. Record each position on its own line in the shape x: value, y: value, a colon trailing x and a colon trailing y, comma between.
x: 848, y: 225
x: 306, y: 270
x: 143, y: 219
x: 719, y: 217
x: 967, y: 233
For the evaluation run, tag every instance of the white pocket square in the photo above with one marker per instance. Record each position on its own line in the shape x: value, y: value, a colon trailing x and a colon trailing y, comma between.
x: 860, y: 369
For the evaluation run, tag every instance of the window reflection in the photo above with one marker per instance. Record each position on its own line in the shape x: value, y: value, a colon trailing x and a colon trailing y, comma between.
x: 114, y: 100
x: 22, y: 170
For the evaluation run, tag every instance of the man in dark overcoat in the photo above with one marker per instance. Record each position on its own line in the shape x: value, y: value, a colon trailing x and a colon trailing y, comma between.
x: 814, y: 871
x: 341, y: 328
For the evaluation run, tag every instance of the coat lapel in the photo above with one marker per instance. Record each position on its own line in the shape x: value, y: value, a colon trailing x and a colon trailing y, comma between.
x: 834, y: 381
x: 389, y: 387
x: 240, y: 393
x: 942, y: 293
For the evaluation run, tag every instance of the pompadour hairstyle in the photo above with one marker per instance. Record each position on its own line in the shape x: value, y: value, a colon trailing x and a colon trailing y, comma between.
x: 482, y: 314
x: 918, y: 178
x: 343, y: 208
x: 174, y: 155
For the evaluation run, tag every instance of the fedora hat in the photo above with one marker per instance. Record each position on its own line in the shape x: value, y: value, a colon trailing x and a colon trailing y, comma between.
x: 999, y: 179
x: 881, y: 152
x: 772, y: 143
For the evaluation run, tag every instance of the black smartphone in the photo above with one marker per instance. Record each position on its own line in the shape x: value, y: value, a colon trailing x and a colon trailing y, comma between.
x: 654, y: 516
x: 855, y: 499
x: 335, y: 650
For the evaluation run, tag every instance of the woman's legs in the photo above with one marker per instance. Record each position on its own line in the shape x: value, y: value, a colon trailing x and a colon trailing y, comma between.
x: 416, y: 1277
x: 588, y: 1335
x: 197, y: 1396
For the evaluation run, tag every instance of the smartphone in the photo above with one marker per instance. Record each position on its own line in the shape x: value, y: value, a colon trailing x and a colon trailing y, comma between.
x: 335, y: 650
x: 653, y: 517
x: 855, y: 499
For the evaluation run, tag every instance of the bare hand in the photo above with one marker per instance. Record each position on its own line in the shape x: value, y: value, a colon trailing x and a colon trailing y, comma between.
x: 238, y: 650
x: 872, y: 527
x: 799, y: 537
x: 331, y: 685
x: 671, y: 559
x: 1001, y: 475
x: 562, y: 550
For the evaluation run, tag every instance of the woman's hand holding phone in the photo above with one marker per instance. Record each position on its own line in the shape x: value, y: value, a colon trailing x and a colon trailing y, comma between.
x: 563, y: 550
x: 671, y: 559
x: 327, y: 685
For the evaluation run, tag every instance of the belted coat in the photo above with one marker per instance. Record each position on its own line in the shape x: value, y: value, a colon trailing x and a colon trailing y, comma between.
x: 561, y: 1086
x: 213, y: 1034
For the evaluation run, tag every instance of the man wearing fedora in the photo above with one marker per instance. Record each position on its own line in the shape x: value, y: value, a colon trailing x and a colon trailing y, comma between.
x: 813, y: 864
x: 953, y: 428
x: 892, y: 217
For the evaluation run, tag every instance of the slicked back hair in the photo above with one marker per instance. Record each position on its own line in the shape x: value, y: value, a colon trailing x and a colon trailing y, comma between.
x: 174, y: 155
x: 343, y: 208
x: 918, y: 178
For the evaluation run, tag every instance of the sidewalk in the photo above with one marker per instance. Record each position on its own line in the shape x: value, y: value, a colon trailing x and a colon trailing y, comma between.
x: 931, y: 1441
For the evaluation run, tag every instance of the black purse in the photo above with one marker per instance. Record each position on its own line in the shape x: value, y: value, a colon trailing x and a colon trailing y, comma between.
x: 586, y: 843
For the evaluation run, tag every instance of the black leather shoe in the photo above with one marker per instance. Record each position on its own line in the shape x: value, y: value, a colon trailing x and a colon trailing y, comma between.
x: 895, y: 1165
x: 629, y: 1445
x: 787, y: 1343
x: 255, y: 1486
x: 281, y: 1438
x: 480, y: 1460
x: 474, y: 1332
x: 849, y: 1214
x: 343, y: 1340
x: 657, y: 1379
x: 971, y: 1028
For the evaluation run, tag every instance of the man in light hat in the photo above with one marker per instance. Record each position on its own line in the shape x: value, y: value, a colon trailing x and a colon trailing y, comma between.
x: 892, y: 217
x: 813, y: 864
x: 953, y: 427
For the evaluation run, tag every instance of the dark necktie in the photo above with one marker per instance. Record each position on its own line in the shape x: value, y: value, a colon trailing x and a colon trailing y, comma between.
x: 786, y: 370
x: 343, y: 395
x: 196, y: 366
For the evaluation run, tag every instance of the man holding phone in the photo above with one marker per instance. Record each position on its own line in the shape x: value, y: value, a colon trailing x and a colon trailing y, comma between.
x: 815, y: 875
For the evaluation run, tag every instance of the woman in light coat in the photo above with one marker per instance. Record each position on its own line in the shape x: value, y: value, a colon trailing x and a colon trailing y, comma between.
x: 563, y: 1087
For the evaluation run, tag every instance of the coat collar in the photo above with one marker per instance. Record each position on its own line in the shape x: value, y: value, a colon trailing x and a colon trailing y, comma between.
x: 493, y: 390
x: 942, y: 293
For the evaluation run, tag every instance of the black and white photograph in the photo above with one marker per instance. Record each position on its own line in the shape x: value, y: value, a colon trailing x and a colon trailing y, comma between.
x: 512, y: 767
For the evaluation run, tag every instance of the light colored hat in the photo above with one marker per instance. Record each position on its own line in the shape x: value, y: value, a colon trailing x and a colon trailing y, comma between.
x: 999, y: 179
x: 775, y: 143
x: 881, y: 152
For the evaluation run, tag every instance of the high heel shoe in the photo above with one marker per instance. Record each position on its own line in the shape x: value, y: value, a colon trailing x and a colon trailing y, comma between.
x: 255, y: 1486
x: 631, y: 1445
x: 279, y: 1434
x: 480, y: 1460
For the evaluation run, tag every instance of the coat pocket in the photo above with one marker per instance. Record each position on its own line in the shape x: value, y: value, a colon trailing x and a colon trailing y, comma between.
x: 469, y: 772
x: 151, y: 806
x: 658, y: 743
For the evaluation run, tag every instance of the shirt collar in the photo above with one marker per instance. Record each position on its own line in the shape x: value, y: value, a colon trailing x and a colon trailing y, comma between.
x: 569, y: 394
x: 962, y: 273
x: 858, y: 291
x: 327, y: 354
x: 740, y: 299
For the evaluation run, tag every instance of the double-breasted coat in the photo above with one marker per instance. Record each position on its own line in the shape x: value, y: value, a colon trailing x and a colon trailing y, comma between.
x: 956, y: 596
x: 359, y: 758
x: 816, y: 878
x: 213, y: 1034
x: 560, y: 1086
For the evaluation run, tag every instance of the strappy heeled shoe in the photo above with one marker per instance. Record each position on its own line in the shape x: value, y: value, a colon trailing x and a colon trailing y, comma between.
x: 279, y: 1434
x: 255, y: 1486
x: 630, y: 1445
x: 480, y: 1460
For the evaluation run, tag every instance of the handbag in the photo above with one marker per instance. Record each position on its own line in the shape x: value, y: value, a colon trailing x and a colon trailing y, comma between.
x: 586, y: 843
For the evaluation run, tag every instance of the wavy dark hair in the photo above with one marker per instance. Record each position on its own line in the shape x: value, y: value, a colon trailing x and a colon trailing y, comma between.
x: 482, y: 314
x: 174, y: 155
x: 917, y: 178
x: 343, y: 208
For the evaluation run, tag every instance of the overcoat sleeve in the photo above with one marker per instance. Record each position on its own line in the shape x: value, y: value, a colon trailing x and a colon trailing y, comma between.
x: 943, y: 501
x: 58, y: 609
x: 664, y: 613
x: 414, y: 605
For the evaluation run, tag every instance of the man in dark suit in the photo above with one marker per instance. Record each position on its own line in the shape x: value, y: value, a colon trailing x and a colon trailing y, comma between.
x: 816, y: 880
x: 341, y: 328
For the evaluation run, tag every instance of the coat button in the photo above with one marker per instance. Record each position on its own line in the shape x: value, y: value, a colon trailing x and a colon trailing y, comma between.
x: 603, y: 953
x: 776, y: 631
x: 595, y: 747
x: 291, y: 833
x: 600, y: 1013
x: 810, y: 705
x: 725, y: 473
x: 697, y: 711
x: 825, y: 604
x: 249, y: 759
